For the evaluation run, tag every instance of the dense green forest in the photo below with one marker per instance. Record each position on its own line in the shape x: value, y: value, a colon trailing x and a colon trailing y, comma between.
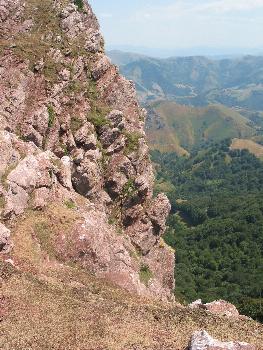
x: 216, y: 224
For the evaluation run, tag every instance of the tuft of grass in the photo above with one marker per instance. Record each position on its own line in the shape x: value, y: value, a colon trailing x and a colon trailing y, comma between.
x: 75, y: 124
x: 70, y: 204
x: 2, y: 202
x: 98, y: 117
x: 51, y: 116
x: 51, y: 70
x: 99, y: 109
x: 98, y: 120
x: 132, y: 142
x: 65, y: 149
x: 43, y: 231
x: 145, y: 274
x: 75, y: 87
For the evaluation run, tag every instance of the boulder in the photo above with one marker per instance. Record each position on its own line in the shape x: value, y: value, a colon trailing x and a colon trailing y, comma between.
x: 201, y: 340
x: 116, y: 119
x: 86, y: 178
x: 5, y: 243
x: 85, y: 137
x: 218, y: 307
x: 222, y: 307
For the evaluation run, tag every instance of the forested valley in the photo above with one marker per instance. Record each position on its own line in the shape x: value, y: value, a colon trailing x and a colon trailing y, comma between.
x: 216, y: 224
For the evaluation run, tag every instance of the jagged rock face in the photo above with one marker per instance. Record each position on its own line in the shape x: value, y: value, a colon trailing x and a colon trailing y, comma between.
x: 203, y: 341
x: 71, y: 128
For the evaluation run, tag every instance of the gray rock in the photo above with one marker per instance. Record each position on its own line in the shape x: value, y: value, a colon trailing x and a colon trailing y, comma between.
x: 5, y: 243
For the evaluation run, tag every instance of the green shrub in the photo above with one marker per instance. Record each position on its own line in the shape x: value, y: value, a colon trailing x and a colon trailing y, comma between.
x: 79, y: 4
x: 145, y: 274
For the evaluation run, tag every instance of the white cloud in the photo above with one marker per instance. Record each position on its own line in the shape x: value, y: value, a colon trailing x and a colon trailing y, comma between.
x: 230, y: 5
x: 181, y: 8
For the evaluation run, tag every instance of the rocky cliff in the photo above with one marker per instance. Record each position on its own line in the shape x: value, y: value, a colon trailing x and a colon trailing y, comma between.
x: 78, y: 216
x: 72, y: 137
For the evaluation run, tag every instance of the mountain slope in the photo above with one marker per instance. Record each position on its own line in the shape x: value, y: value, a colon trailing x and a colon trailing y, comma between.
x: 198, y: 81
x: 70, y: 309
x: 173, y: 127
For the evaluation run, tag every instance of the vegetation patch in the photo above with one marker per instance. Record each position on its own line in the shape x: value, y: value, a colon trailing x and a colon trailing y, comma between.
x: 97, y: 119
x: 36, y: 235
x: 51, y: 116
x: 97, y: 116
x: 65, y: 149
x: 79, y: 4
x: 145, y: 274
x: 75, y: 124
x: 129, y: 189
x: 44, y: 233
x: 70, y: 204
x: 2, y: 202
x: 132, y: 142
x: 6, y: 173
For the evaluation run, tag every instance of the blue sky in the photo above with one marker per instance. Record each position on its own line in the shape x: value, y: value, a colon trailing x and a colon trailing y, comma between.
x: 181, y: 23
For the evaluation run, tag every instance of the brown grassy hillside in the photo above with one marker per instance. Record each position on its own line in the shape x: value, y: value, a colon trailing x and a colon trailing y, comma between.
x: 250, y: 145
x: 65, y: 308
x: 180, y: 127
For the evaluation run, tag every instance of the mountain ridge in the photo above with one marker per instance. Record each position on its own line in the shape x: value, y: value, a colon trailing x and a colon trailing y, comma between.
x: 197, y: 80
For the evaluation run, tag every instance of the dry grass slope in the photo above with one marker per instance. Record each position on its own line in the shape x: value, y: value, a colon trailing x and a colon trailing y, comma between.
x: 185, y: 126
x: 250, y: 145
x: 65, y: 308
x: 48, y: 304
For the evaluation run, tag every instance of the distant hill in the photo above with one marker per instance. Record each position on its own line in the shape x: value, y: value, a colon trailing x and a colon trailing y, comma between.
x: 196, y: 80
x: 121, y: 58
x: 173, y: 127
x: 249, y: 145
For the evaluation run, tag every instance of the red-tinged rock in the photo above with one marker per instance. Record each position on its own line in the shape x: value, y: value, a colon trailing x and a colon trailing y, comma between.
x: 222, y: 307
x: 80, y: 134
x: 219, y: 307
